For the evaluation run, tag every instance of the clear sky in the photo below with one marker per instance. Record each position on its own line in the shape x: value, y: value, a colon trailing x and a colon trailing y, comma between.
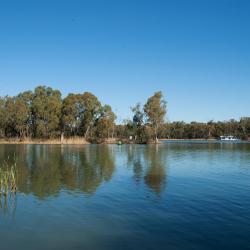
x: 196, y: 52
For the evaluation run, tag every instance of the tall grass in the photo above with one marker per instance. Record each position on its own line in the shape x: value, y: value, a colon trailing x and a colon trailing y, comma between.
x: 8, y: 178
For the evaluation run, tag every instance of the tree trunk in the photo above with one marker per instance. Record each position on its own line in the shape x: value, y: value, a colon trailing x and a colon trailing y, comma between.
x: 156, y: 137
x: 86, y: 133
x: 62, y: 137
x: 113, y: 131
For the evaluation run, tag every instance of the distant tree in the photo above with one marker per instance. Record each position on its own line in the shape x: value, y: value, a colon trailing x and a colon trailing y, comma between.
x: 2, y: 117
x: 91, y: 112
x: 245, y: 127
x: 80, y: 112
x: 105, y: 124
x: 72, y: 113
x: 42, y: 114
x: 128, y: 129
x: 177, y: 130
x: 16, y: 115
x: 211, y: 128
x: 155, y: 110
x: 25, y: 100
x: 46, y: 111
x: 138, y: 123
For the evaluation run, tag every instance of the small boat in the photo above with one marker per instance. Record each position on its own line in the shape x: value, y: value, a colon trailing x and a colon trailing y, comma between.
x: 228, y: 138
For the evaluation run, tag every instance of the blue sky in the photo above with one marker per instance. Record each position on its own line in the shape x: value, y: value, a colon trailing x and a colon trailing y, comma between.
x: 196, y: 52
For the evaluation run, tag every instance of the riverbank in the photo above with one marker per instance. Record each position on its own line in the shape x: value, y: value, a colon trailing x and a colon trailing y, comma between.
x: 82, y: 141
x: 72, y: 141
x: 201, y: 139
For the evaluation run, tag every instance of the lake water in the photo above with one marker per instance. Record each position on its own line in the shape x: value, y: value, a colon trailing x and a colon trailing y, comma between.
x: 170, y: 196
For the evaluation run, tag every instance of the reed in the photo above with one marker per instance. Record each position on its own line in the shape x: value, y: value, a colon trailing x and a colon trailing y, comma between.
x: 8, y: 178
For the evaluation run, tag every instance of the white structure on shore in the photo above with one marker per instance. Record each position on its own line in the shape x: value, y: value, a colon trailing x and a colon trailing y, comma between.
x: 228, y: 138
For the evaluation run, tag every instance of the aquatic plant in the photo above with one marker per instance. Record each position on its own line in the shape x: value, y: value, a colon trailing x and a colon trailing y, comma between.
x: 8, y: 178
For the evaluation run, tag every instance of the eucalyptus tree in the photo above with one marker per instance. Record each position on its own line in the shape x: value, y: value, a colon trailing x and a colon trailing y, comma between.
x: 25, y: 100
x: 80, y: 113
x: 105, y: 124
x: 15, y: 117
x: 110, y: 117
x: 138, y: 122
x: 18, y: 116
x: 46, y: 111
x: 155, y: 110
x: 245, y: 127
x: 72, y: 112
x: 2, y: 117
x: 91, y: 111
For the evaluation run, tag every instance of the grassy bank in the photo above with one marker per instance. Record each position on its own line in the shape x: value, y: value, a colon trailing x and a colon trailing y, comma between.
x: 82, y: 141
x: 76, y: 140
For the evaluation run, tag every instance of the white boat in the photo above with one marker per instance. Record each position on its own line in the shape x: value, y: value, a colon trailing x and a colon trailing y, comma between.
x: 228, y: 138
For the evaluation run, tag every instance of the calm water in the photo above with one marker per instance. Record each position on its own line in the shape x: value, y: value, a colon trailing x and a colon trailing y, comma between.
x: 171, y: 196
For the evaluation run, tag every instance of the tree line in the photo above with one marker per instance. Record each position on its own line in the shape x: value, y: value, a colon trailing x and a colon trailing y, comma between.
x: 44, y: 114
x: 193, y: 130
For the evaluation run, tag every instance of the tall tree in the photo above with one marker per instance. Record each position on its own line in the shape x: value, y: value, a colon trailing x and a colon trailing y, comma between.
x: 90, y: 113
x: 2, y: 117
x: 80, y: 112
x: 72, y: 112
x: 245, y: 127
x: 156, y: 109
x: 25, y: 99
x: 105, y: 125
x: 18, y: 115
x: 46, y: 111
x: 138, y: 122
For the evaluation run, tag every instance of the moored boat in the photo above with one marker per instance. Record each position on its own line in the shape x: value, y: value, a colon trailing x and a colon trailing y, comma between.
x: 228, y: 138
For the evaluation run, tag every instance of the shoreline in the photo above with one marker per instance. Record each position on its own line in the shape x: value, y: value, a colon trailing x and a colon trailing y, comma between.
x: 46, y: 142
x: 78, y: 141
x: 201, y: 139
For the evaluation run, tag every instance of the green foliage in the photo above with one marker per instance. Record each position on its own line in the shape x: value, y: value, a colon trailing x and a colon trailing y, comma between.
x: 90, y: 113
x: 245, y: 127
x: 155, y: 110
x: 2, y: 117
x: 46, y: 111
x: 72, y: 114
x: 138, y: 124
x: 106, y: 123
x: 43, y: 114
x: 83, y: 115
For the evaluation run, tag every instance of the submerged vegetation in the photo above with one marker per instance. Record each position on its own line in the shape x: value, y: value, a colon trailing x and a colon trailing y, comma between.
x: 43, y: 114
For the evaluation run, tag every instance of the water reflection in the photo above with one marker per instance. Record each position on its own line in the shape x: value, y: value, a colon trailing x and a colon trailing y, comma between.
x: 155, y: 176
x: 150, y: 164
x: 46, y: 170
x: 8, y: 205
x: 51, y: 169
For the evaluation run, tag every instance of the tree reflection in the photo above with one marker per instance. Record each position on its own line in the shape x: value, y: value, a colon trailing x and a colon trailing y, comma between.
x: 97, y: 166
x: 149, y: 163
x: 155, y: 177
x: 46, y: 170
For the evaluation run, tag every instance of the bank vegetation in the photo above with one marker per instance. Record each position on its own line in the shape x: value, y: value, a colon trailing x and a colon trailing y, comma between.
x: 44, y: 116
